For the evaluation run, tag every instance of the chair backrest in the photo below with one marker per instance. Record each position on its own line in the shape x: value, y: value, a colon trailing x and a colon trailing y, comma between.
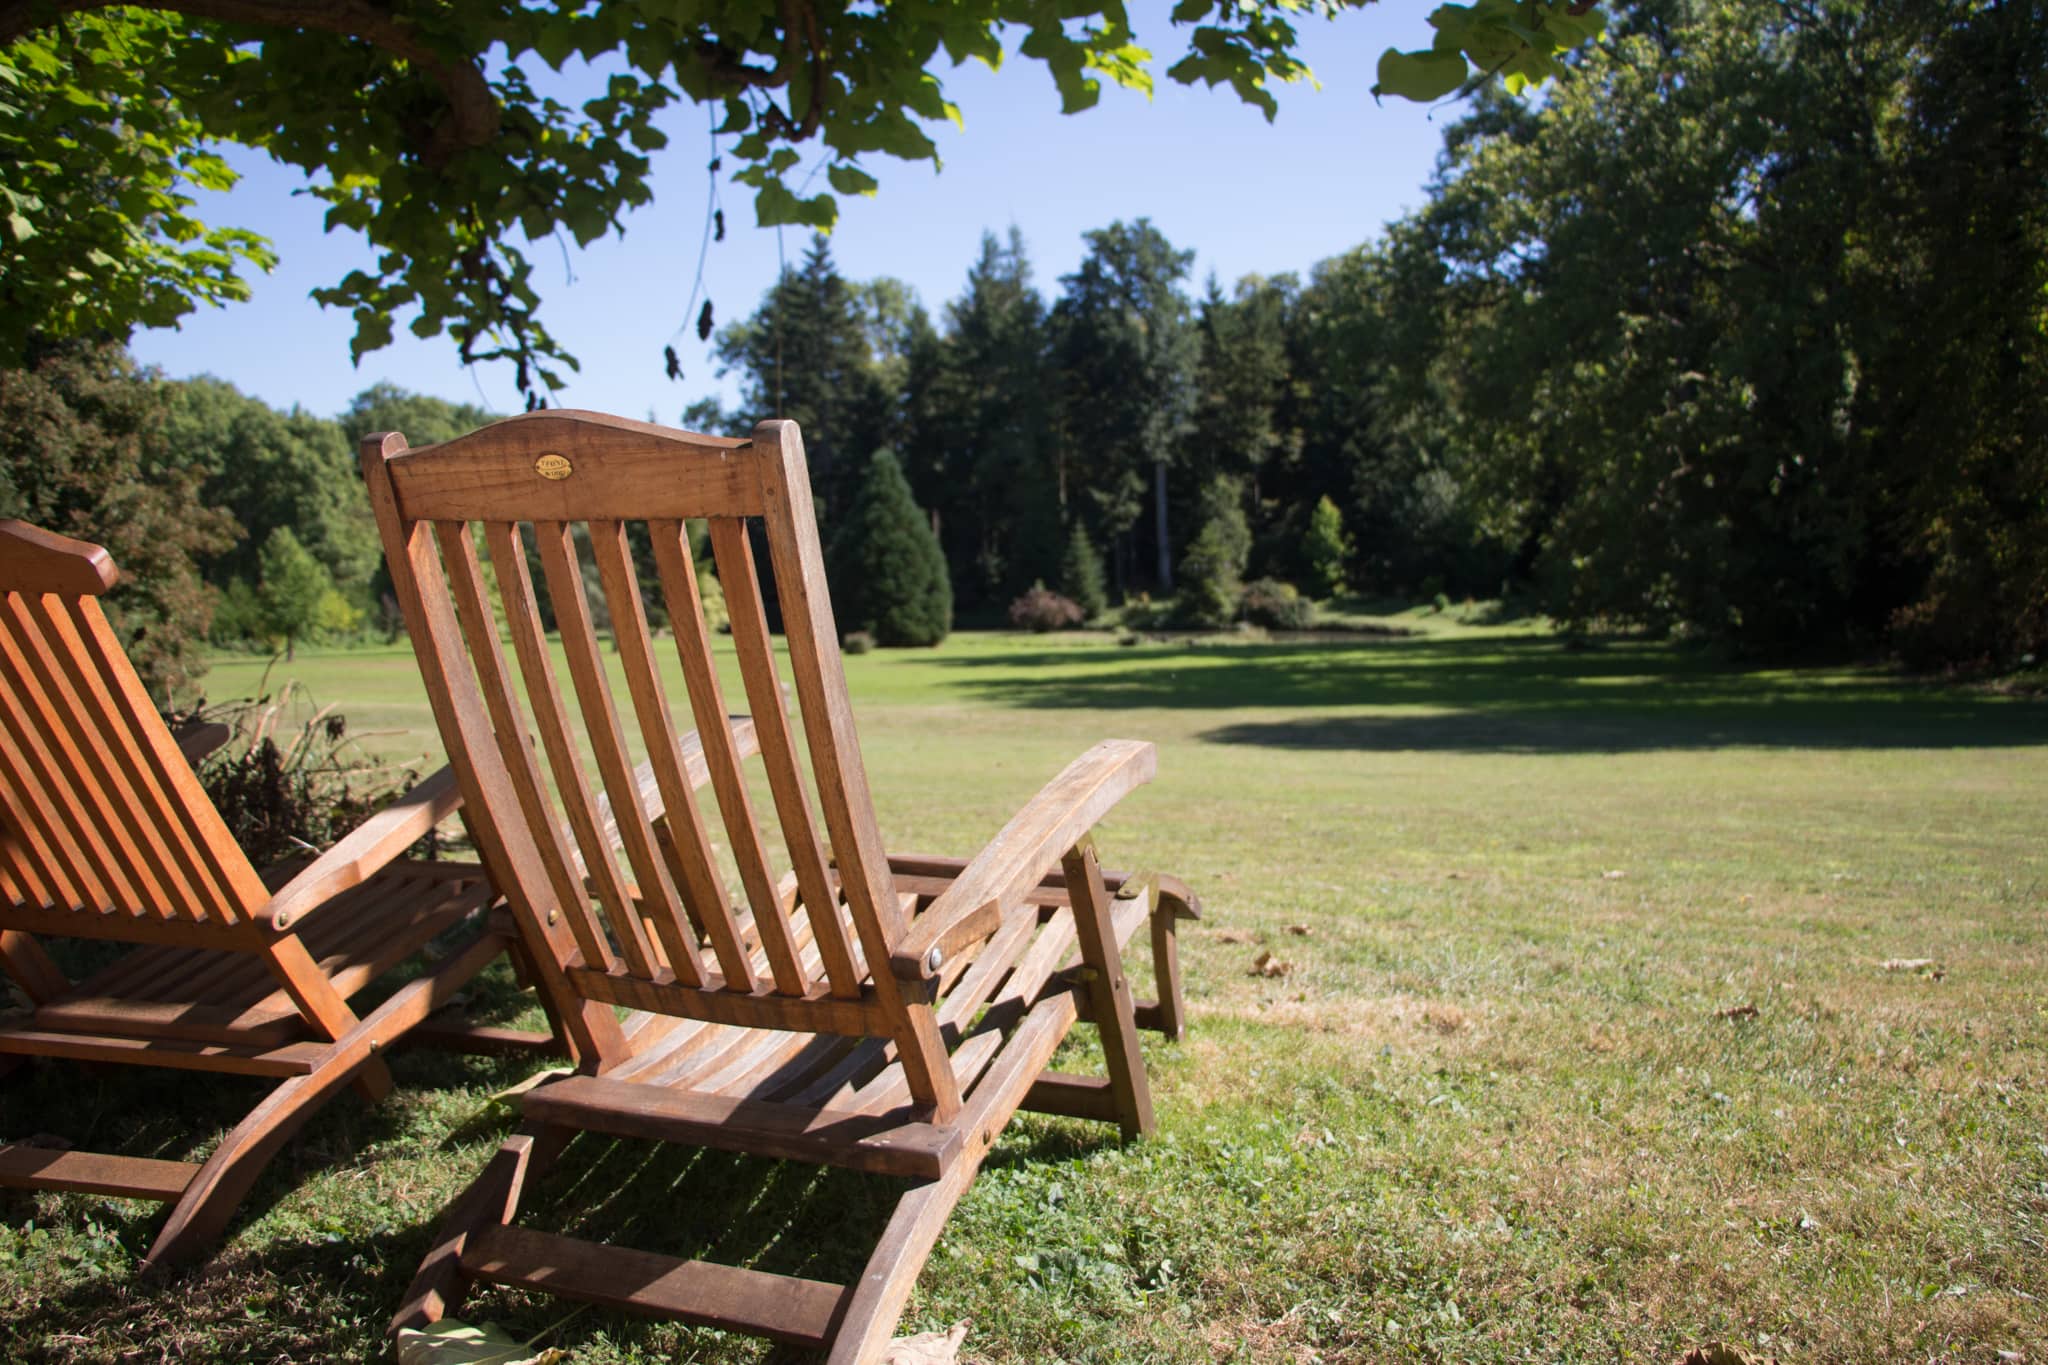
x: 100, y: 814
x: 663, y: 931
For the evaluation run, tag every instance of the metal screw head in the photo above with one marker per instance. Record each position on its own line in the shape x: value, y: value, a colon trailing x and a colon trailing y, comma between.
x: 282, y: 921
x: 934, y: 959
x: 554, y: 915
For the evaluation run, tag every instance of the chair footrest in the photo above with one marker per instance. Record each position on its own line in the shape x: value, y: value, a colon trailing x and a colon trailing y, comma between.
x: 1073, y: 1097
x: 891, y: 1143
x: 129, y: 1177
x: 293, y: 1059
x: 783, y: 1307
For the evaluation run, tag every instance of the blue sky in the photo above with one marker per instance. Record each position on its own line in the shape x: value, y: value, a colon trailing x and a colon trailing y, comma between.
x: 1245, y: 195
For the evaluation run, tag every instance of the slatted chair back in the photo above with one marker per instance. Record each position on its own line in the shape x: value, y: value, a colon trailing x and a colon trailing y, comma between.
x: 616, y: 869
x: 101, y: 817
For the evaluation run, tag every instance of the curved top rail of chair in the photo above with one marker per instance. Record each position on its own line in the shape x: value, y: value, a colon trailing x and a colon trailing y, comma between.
x: 35, y: 560
x: 565, y: 464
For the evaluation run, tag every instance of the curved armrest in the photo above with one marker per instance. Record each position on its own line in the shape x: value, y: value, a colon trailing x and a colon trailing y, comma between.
x: 1020, y: 854
x: 364, y: 850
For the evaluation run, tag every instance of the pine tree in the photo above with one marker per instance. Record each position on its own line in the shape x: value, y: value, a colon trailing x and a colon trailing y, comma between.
x: 888, y: 574
x: 1081, y: 573
x: 1325, y: 549
x: 1212, y: 569
x: 292, y: 586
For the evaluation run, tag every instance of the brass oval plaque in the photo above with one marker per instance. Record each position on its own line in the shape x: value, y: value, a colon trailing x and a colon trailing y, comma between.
x: 553, y: 466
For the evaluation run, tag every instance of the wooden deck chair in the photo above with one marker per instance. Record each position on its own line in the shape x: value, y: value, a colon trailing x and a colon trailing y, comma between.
x: 105, y: 833
x: 846, y: 1008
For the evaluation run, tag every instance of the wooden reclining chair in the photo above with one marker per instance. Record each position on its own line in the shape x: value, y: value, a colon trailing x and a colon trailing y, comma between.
x: 105, y: 833
x: 860, y: 1010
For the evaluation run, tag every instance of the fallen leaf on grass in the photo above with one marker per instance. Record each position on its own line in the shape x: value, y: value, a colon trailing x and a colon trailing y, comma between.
x: 1742, y: 1011
x: 1910, y: 964
x: 1616, y: 875
x: 1299, y: 930
x: 927, y: 1348
x: 1265, y: 964
x: 1233, y: 936
x: 449, y: 1342
x: 1720, y: 1353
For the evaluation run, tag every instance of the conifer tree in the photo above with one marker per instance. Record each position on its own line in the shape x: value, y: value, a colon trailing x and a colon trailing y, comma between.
x: 1325, y: 549
x: 1081, y: 573
x: 1212, y: 570
x: 888, y: 575
x: 292, y: 587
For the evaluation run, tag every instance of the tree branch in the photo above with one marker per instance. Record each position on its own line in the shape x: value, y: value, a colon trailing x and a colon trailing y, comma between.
x: 473, y: 113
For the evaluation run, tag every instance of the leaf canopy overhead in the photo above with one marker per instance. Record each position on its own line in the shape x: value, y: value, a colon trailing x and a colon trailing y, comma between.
x: 419, y: 124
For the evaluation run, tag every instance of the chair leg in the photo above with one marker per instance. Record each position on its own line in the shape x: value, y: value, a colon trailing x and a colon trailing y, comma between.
x: 1109, y: 990
x: 493, y: 1197
x: 876, y: 1305
x: 211, y: 1199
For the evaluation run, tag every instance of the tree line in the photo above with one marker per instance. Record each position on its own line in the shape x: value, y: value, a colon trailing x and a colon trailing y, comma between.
x: 1741, y: 335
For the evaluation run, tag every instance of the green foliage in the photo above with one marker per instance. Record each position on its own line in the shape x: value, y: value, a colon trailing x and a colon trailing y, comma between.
x: 1081, y: 574
x: 1326, y: 549
x: 1127, y: 352
x: 97, y: 233
x: 1521, y: 41
x: 421, y: 127
x: 888, y: 574
x: 1212, y: 570
x: 291, y: 589
x: 271, y: 469
x: 78, y: 437
x: 1813, y: 409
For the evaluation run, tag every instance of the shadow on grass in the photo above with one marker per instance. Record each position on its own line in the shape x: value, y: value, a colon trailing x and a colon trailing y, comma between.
x: 1516, y: 695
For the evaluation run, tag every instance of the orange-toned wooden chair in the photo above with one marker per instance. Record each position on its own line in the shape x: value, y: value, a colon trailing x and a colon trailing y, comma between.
x: 859, y: 1010
x: 105, y: 833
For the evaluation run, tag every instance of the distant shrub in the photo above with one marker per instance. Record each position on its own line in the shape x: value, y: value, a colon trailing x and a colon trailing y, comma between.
x: 857, y: 642
x: 1276, y: 605
x: 888, y: 573
x: 1127, y: 638
x: 1142, y: 613
x: 1041, y: 609
x: 712, y: 594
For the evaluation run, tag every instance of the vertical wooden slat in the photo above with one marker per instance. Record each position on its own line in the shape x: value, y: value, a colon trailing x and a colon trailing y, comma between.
x: 138, y: 846
x: 479, y: 629
x: 490, y: 810
x: 572, y: 782
x: 736, y: 575
x: 71, y: 800
x: 188, y: 875
x: 835, y: 755
x: 60, y: 861
x: 242, y: 891
x: 707, y: 706
x: 689, y: 842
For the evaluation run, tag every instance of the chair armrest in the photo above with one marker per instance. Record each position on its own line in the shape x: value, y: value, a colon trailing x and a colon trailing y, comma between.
x: 195, y: 742
x: 366, y: 849
x: 1022, y: 852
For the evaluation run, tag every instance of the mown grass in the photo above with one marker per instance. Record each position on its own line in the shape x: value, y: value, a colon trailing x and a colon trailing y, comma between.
x: 1498, y: 1110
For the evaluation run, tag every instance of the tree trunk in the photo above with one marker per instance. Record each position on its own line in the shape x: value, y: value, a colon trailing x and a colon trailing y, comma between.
x: 1159, y: 525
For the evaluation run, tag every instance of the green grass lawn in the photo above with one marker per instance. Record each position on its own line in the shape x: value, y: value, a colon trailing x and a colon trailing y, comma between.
x: 1507, y: 1104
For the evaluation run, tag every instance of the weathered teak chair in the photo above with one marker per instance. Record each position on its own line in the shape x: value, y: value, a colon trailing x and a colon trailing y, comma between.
x: 766, y: 1026
x: 105, y: 833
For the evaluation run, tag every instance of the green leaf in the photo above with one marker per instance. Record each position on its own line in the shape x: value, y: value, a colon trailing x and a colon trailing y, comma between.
x: 1420, y: 76
x: 851, y: 180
